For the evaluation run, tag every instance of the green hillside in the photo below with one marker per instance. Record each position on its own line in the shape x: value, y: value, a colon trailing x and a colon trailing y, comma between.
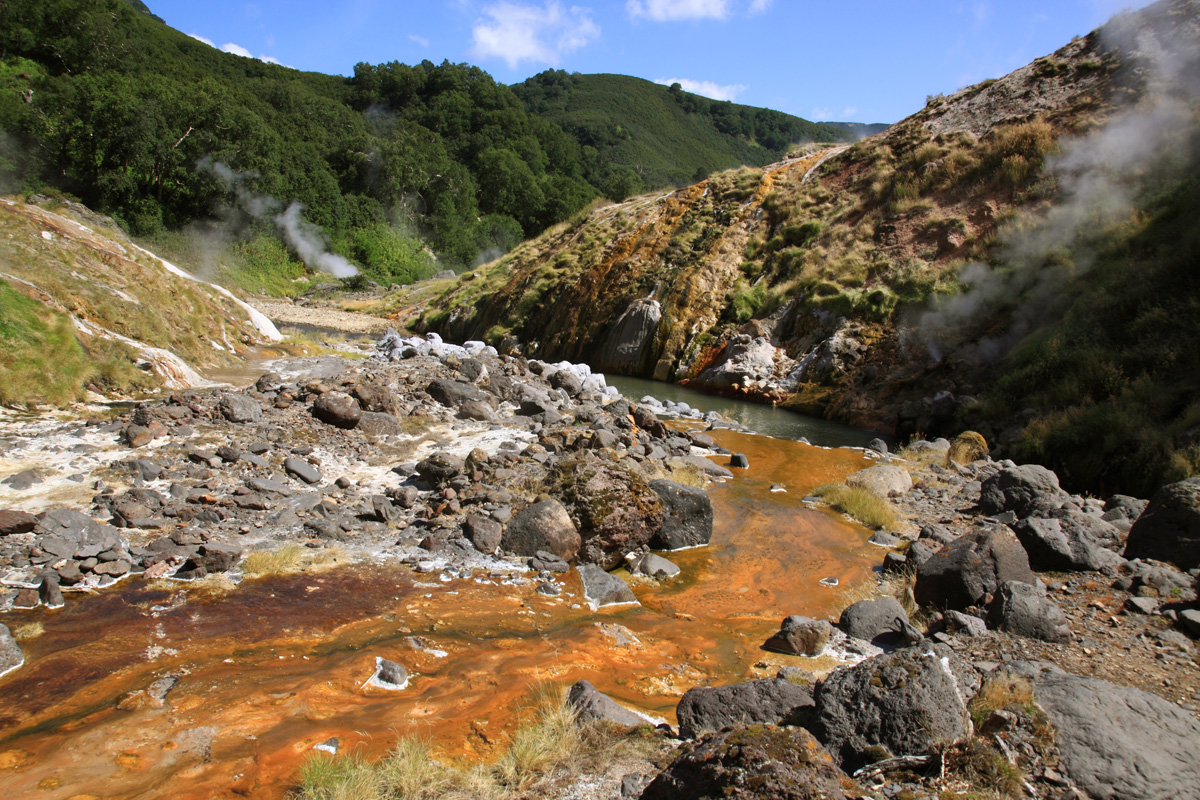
x: 637, y: 135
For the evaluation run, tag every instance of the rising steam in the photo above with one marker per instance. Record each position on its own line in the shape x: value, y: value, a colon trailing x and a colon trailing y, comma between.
x: 1099, y: 177
x: 304, y: 238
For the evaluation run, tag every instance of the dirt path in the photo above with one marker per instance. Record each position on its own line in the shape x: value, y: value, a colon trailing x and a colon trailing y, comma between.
x: 287, y: 313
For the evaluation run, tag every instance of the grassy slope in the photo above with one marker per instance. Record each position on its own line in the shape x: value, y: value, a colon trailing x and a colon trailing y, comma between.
x: 657, y: 137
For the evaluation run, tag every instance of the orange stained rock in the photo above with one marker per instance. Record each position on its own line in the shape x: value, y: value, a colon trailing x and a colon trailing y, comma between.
x: 273, y: 668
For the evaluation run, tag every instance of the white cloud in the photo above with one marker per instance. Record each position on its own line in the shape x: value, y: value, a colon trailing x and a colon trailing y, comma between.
x: 672, y: 10
x: 421, y: 40
x: 200, y: 38
x: 707, y: 88
x: 822, y: 114
x: 236, y: 49
x: 516, y: 33
x: 269, y: 59
x: 759, y: 6
x: 825, y: 114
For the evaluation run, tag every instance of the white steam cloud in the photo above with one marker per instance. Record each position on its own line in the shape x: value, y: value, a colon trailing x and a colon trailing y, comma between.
x: 711, y: 89
x: 306, y: 239
x: 1099, y: 178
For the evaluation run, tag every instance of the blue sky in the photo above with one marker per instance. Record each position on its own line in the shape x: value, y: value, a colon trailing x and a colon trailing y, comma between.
x: 865, y: 61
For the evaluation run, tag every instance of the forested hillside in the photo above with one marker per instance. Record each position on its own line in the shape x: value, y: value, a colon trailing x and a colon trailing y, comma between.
x: 404, y: 169
x: 637, y: 135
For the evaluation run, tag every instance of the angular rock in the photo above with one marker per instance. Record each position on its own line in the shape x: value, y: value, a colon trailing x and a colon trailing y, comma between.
x: 13, y: 521
x: 49, y: 592
x: 337, y: 409
x: 972, y: 567
x: 774, y: 701
x: 882, y: 480
x: 1019, y: 489
x: 1117, y: 742
x: 603, y: 589
x: 739, y: 461
x: 688, y: 517
x: 455, y: 393
x: 376, y: 398
x: 544, y: 525
x: 1054, y: 547
x: 1019, y: 608
x: 800, y: 636
x: 590, y: 704
x: 486, y: 534
x: 965, y: 624
x: 1169, y: 528
x: 905, y: 702
x: 759, y: 762
x: 302, y: 470
x: 613, y: 505
x: 218, y: 556
x: 11, y: 657
x: 69, y: 534
x: 239, y: 408
x: 874, y: 618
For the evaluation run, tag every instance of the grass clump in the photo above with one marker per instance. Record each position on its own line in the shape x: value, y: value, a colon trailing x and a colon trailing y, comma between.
x: 30, y: 630
x: 289, y: 559
x: 859, y: 504
x: 1001, y: 692
x: 549, y: 745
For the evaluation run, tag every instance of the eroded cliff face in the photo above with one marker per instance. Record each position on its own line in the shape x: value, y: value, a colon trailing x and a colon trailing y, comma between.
x: 812, y: 283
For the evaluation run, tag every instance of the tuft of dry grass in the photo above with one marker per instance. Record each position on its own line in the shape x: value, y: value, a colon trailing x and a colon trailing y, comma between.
x: 290, y: 559
x: 873, y: 512
x: 30, y: 630
x: 998, y: 692
x: 550, y: 745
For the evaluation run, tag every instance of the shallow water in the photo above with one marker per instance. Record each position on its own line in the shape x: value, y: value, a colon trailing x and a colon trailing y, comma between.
x: 278, y: 665
x: 759, y: 417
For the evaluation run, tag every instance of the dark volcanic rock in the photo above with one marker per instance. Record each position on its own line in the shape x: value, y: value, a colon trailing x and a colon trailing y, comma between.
x: 486, y: 534
x: 602, y: 589
x: 1055, y: 544
x: 1120, y: 743
x: 455, y: 393
x: 616, y: 510
x: 775, y: 701
x: 905, y: 702
x: 873, y: 619
x: 1019, y: 608
x: 760, y: 762
x: 302, y: 470
x: 239, y: 408
x: 800, y: 636
x: 545, y: 525
x: 688, y: 519
x: 439, y: 468
x: 590, y: 704
x: 974, y: 566
x: 335, y: 408
x: 1169, y: 528
x: 1019, y: 489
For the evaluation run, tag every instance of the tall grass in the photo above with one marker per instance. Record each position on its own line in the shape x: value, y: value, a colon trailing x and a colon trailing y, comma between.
x: 873, y: 512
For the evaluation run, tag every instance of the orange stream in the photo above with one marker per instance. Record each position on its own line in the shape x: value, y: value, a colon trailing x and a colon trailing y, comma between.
x: 278, y: 665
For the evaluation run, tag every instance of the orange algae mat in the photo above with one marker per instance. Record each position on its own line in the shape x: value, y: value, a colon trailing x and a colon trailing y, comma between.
x: 278, y: 665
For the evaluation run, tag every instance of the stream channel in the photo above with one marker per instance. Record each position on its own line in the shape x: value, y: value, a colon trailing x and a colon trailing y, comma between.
x: 278, y: 665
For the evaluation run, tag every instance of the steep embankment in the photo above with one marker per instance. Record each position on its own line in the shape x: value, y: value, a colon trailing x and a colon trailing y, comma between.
x: 949, y: 272
x: 84, y: 308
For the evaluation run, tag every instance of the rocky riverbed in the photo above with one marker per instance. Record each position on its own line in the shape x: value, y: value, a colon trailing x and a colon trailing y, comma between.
x: 508, y: 492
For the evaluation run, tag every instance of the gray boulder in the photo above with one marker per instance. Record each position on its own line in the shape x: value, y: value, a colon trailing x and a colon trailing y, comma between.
x: 455, y: 393
x: 873, y: 619
x: 760, y: 762
x: 688, y: 517
x: 965, y: 624
x: 654, y: 566
x: 590, y: 705
x: 882, y: 480
x: 774, y: 701
x: 67, y: 533
x: 604, y: 589
x: 239, y: 408
x: 1019, y: 489
x: 376, y: 398
x: 1169, y: 528
x: 544, y: 525
x: 1054, y: 544
x: 1122, y: 506
x: 301, y: 469
x: 11, y: 656
x: 337, y: 409
x: 1120, y: 743
x: 901, y: 703
x: 972, y: 567
x: 801, y: 636
x: 439, y: 468
x: 1019, y: 608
